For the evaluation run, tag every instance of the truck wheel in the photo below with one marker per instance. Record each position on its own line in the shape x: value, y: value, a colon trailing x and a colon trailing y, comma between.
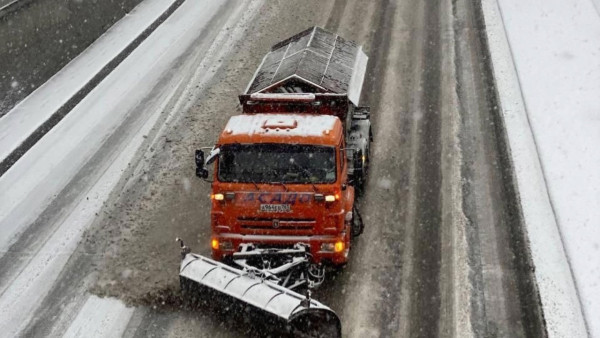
x: 359, y: 185
x: 357, y: 223
x: 360, y: 179
x: 367, y: 162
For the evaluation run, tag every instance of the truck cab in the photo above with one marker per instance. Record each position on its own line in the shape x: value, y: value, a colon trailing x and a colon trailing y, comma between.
x: 280, y: 179
x: 287, y: 169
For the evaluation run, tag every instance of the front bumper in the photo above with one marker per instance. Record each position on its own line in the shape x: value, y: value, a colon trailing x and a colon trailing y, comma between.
x: 315, y: 242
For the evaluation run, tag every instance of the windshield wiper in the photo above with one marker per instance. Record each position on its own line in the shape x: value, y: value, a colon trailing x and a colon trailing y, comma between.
x: 306, y: 172
x: 255, y: 185
x: 284, y: 186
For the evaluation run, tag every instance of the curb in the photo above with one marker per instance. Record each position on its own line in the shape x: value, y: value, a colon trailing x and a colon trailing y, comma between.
x: 562, y: 314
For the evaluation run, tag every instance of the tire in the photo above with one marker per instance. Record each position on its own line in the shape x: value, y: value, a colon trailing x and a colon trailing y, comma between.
x: 358, y: 226
x: 359, y: 186
x: 360, y: 179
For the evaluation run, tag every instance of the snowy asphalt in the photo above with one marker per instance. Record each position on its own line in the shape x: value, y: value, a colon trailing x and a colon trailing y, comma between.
x: 39, y: 37
x: 442, y: 253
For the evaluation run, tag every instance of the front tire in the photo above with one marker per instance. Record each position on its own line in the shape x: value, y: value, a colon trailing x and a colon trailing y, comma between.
x: 358, y: 225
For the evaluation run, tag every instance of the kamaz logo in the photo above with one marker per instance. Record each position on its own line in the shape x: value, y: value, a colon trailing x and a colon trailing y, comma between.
x: 275, y: 223
x: 277, y: 198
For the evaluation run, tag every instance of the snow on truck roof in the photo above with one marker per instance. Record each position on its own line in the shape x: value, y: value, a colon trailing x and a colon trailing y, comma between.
x: 322, y: 61
x: 269, y: 127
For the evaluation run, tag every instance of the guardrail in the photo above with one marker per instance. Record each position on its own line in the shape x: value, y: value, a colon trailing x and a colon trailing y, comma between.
x: 13, y: 6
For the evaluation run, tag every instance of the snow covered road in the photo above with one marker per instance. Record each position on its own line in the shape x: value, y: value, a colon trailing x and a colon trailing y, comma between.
x: 92, y: 209
x: 420, y: 269
x: 55, y: 191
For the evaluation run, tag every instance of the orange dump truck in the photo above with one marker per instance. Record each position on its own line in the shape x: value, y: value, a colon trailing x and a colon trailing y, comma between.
x: 285, y: 177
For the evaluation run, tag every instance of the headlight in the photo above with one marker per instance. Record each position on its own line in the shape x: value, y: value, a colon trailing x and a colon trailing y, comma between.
x: 330, y: 247
x: 338, y: 246
x: 226, y: 245
x: 218, y: 245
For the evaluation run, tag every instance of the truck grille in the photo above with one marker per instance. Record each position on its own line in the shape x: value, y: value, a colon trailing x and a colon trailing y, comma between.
x: 284, y: 224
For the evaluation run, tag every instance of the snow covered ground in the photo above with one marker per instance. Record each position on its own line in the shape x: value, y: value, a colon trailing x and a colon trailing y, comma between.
x: 555, y: 45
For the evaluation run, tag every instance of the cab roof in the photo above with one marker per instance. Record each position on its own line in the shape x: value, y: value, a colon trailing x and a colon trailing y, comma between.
x: 282, y: 128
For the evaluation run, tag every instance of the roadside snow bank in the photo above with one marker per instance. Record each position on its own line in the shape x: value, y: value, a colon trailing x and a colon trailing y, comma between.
x: 543, y: 90
x: 23, y: 120
x: 556, y: 49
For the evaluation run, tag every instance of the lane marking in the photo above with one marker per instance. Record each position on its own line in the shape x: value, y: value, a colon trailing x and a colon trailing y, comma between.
x: 100, y: 317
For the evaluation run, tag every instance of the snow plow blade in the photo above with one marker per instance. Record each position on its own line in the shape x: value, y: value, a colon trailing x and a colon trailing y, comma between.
x: 301, y: 316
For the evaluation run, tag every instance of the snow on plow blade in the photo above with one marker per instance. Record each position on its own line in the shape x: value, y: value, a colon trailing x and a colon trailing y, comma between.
x: 301, y: 315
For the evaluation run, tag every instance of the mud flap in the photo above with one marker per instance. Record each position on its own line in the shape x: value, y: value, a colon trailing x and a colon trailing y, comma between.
x: 303, y: 317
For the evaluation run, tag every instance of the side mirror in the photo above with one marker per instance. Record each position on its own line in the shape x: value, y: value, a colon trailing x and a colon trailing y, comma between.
x: 201, y: 171
x: 199, y: 158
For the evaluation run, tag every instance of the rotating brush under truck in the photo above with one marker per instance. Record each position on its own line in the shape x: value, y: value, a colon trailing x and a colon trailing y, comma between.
x: 286, y: 174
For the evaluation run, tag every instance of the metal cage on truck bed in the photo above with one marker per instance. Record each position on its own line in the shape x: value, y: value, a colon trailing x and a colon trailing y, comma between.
x: 311, y: 62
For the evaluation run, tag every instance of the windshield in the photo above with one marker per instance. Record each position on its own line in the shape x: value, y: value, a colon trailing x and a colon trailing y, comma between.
x: 285, y: 163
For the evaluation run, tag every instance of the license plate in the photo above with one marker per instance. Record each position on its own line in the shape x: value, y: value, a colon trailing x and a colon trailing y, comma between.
x: 275, y: 208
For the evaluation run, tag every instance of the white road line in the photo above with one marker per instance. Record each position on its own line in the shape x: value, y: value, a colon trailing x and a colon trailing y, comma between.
x: 100, y: 317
